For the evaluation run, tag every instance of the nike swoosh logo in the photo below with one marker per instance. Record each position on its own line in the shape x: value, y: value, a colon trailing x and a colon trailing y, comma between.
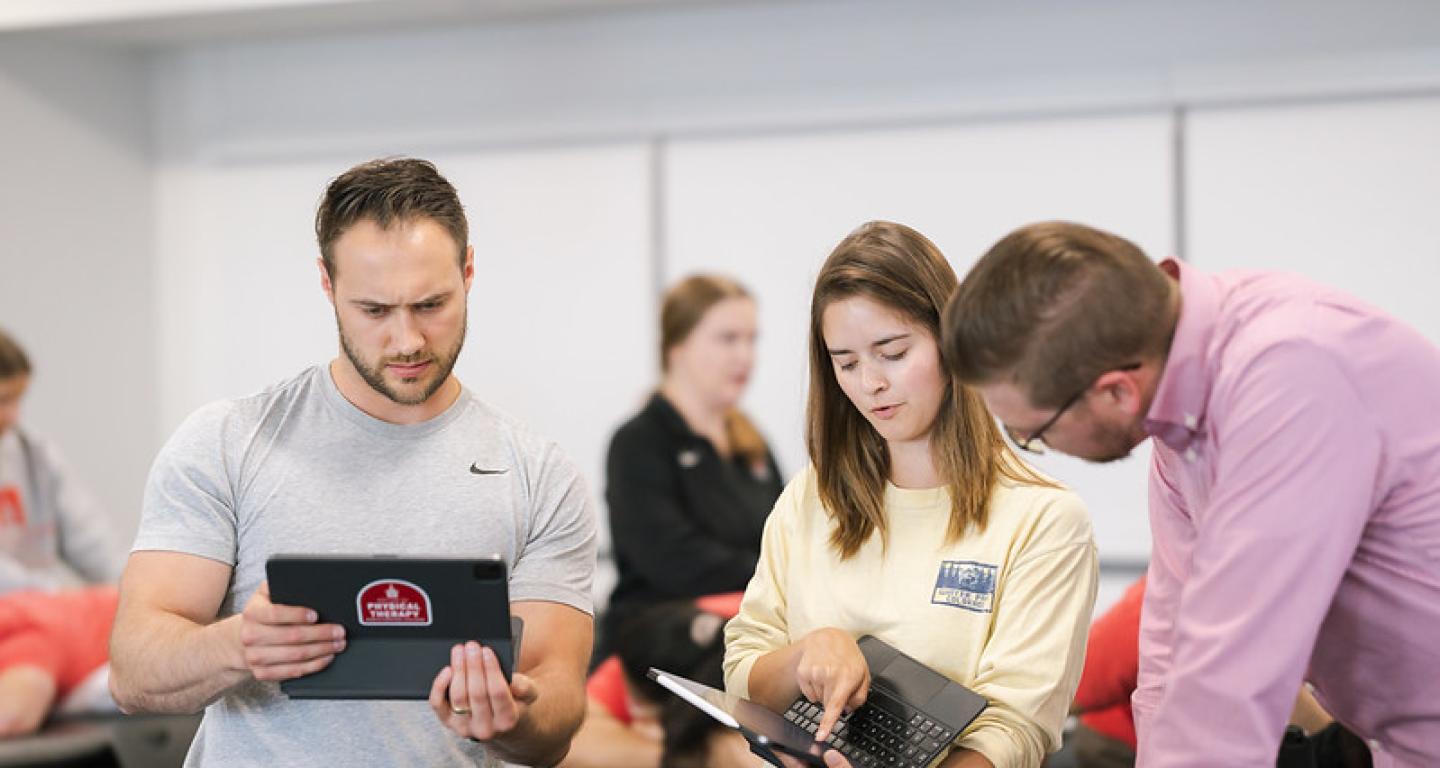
x: 478, y: 471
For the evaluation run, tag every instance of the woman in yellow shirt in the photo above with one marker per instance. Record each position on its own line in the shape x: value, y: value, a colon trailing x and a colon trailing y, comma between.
x: 914, y: 523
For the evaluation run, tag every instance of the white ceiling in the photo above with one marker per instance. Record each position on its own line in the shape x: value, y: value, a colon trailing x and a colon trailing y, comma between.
x: 159, y: 22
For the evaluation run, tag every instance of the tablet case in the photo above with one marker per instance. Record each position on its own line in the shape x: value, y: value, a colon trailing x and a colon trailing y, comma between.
x: 401, y: 615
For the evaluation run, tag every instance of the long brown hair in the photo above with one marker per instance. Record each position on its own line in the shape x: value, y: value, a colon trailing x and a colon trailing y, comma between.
x: 682, y: 308
x: 899, y: 268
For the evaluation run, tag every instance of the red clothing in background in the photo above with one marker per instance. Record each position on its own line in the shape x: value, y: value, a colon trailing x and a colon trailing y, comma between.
x: 1112, y: 664
x: 65, y: 633
x: 607, y: 686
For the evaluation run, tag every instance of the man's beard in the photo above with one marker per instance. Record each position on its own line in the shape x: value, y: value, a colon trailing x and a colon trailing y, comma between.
x: 1114, y: 444
x: 374, y: 375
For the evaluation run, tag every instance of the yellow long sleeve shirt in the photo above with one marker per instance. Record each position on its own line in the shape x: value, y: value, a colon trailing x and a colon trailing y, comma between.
x: 1003, y: 612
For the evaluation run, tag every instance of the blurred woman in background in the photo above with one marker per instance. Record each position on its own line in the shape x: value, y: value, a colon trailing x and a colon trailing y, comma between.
x: 690, y: 480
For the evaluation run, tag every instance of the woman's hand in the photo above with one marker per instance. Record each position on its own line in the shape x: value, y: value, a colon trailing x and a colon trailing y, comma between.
x: 831, y: 671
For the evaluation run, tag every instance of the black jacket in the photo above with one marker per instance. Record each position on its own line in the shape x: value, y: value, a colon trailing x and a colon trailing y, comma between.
x: 684, y: 521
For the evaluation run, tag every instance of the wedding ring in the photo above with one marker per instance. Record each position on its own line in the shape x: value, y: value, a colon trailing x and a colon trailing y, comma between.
x: 462, y: 711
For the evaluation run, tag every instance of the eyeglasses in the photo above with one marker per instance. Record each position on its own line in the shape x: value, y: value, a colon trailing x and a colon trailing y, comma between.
x: 1035, y: 442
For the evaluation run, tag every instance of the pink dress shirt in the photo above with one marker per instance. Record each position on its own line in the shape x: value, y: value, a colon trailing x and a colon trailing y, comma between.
x: 1295, y: 510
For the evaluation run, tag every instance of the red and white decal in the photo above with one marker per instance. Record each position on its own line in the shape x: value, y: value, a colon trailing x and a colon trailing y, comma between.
x: 393, y: 603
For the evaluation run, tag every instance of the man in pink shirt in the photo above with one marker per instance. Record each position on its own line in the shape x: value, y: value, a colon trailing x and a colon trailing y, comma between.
x: 1294, y: 493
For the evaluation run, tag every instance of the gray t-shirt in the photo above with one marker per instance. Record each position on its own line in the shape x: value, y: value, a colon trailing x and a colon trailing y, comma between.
x: 298, y: 469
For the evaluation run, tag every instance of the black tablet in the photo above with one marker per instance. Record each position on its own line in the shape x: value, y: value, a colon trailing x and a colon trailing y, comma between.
x: 402, y: 615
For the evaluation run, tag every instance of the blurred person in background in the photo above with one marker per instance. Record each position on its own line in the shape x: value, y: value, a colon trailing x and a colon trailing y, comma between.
x: 632, y: 722
x: 53, y: 652
x: 52, y: 532
x: 690, y: 480
x: 1104, y: 737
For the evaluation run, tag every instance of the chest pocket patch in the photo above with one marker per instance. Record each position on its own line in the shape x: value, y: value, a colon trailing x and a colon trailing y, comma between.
x: 965, y: 584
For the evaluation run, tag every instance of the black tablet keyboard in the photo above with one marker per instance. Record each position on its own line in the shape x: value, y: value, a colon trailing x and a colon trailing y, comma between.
x: 882, y: 733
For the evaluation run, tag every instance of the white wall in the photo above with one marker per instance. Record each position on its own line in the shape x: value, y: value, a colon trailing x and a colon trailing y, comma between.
x: 75, y: 267
x: 1344, y: 193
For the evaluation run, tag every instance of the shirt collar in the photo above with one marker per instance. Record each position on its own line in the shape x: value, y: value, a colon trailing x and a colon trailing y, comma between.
x: 671, y: 417
x: 1177, y: 414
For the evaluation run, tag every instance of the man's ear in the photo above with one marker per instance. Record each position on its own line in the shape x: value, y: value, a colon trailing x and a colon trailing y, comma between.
x: 469, y: 269
x: 1119, y: 390
x: 325, y: 283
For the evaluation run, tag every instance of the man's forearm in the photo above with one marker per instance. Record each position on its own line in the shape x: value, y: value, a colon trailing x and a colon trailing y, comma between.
x: 166, y: 663
x: 543, y: 736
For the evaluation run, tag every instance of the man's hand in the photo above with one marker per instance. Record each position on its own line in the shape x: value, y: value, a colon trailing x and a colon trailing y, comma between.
x: 281, y: 642
x: 831, y: 671
x: 472, y: 698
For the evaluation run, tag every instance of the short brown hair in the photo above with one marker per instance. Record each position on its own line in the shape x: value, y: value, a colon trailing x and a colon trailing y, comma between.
x: 387, y: 191
x: 899, y: 268
x: 13, y: 361
x: 1053, y: 305
x: 682, y: 308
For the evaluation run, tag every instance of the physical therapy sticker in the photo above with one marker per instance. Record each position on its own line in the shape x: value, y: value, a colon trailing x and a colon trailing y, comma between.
x: 393, y: 603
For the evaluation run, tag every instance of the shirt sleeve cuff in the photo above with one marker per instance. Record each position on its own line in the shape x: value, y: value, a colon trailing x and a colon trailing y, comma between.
x: 222, y: 552
x: 995, y: 746
x: 528, y: 591
x: 738, y: 682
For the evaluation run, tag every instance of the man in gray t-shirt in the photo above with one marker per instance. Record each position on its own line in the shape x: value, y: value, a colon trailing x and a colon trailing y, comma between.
x: 380, y: 451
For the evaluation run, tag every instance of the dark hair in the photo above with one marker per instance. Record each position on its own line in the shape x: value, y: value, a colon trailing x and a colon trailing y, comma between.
x: 13, y: 361
x: 1053, y: 305
x: 389, y: 191
x: 899, y: 268
x: 674, y: 636
x: 682, y: 308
